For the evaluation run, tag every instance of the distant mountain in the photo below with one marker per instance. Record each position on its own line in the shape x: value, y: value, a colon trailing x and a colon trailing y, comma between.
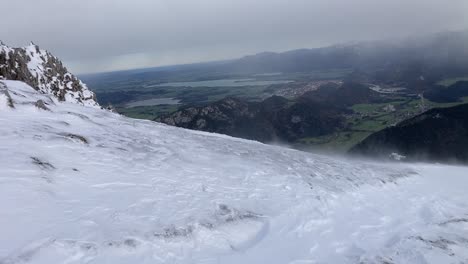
x: 446, y: 50
x: 438, y: 134
x: 313, y: 114
x: 44, y: 72
x: 415, y: 63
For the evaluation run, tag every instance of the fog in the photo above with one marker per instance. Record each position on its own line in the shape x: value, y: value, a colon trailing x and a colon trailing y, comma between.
x: 105, y: 35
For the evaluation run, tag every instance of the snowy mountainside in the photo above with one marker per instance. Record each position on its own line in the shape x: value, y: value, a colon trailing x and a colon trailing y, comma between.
x: 45, y: 72
x: 84, y: 185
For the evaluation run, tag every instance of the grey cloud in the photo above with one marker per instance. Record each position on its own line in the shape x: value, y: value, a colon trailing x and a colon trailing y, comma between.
x: 99, y: 35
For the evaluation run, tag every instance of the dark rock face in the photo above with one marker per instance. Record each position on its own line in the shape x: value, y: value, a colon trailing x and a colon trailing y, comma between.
x: 438, y: 134
x: 230, y: 116
x: 273, y: 119
x: 41, y: 105
x: 44, y: 72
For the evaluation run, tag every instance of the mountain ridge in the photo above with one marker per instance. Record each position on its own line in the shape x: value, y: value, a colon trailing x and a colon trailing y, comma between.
x: 436, y: 55
x: 314, y: 113
x: 44, y: 72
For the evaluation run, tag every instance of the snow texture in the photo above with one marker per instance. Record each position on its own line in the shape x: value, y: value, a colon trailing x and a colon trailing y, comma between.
x: 84, y: 185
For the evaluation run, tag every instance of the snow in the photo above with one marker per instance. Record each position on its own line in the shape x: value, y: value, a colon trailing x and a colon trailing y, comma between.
x: 35, y: 65
x: 3, y: 102
x: 84, y: 185
x: 38, y: 60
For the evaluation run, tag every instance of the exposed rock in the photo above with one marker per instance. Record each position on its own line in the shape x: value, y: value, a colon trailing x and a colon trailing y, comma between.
x: 75, y: 137
x: 41, y: 105
x: 43, y: 164
x: 44, y: 72
x: 273, y: 119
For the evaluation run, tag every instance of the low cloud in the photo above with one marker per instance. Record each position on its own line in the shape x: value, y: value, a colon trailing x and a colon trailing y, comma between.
x: 102, y: 35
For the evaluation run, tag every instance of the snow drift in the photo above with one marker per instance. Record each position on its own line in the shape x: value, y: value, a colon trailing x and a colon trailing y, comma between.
x: 83, y: 185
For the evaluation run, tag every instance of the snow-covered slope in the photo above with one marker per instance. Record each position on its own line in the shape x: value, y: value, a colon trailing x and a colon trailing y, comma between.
x: 45, y: 72
x: 84, y: 185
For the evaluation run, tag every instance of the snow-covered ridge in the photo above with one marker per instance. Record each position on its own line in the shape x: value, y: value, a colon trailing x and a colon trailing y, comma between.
x: 85, y: 185
x: 45, y: 72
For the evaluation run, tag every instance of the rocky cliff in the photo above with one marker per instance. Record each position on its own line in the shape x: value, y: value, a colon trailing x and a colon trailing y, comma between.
x: 274, y: 119
x: 45, y: 73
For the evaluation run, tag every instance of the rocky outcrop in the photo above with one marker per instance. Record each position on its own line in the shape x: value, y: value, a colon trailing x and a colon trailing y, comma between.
x: 274, y: 119
x: 44, y: 72
x: 231, y: 116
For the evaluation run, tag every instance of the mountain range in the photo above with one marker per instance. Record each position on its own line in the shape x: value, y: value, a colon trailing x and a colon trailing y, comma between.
x: 81, y: 184
x: 416, y: 66
x: 276, y: 119
x: 434, y: 56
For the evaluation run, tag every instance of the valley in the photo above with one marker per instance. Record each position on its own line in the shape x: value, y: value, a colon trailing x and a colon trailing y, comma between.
x: 330, y: 98
x: 234, y: 132
x: 369, y: 118
x: 146, y: 100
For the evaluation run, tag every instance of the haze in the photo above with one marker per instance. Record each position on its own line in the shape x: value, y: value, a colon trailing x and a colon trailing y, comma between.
x: 106, y: 35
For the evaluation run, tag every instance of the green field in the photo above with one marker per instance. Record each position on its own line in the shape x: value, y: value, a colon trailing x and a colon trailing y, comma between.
x: 370, y: 118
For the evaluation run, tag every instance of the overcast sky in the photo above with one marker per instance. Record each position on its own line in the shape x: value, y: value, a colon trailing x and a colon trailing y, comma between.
x: 105, y: 35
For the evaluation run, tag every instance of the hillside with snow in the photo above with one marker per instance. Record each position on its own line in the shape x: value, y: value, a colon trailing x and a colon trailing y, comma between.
x: 45, y: 73
x: 79, y: 184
